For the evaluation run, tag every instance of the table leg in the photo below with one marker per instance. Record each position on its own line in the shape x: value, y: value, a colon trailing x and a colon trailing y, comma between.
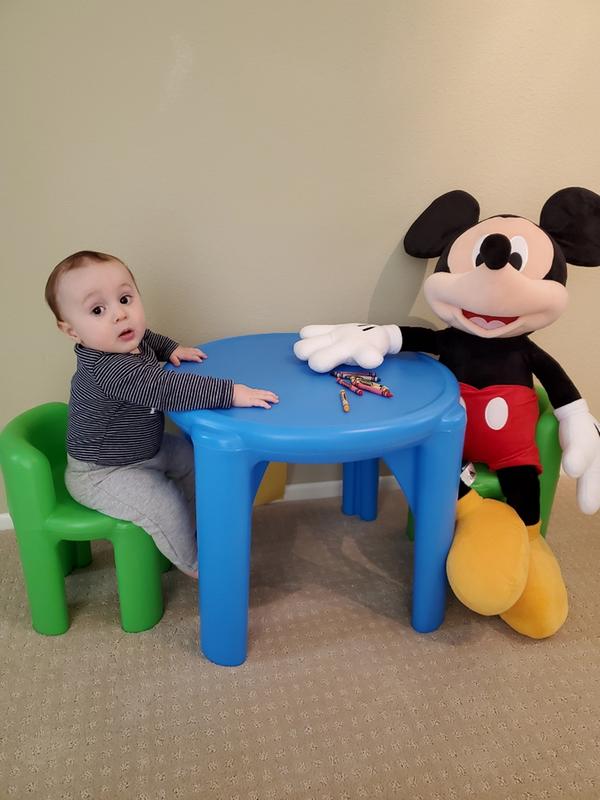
x: 258, y: 472
x: 224, y: 483
x: 428, y: 475
x: 360, y: 482
x: 436, y: 488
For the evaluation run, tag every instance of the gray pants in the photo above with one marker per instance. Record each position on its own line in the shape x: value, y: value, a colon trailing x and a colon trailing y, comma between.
x: 156, y: 494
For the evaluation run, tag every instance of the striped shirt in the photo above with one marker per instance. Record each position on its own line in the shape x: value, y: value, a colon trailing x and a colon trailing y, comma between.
x: 117, y: 400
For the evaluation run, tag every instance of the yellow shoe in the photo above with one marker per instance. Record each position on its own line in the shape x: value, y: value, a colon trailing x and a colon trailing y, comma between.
x: 488, y: 562
x: 543, y: 606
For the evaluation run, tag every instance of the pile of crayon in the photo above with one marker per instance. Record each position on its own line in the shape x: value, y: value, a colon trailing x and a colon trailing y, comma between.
x: 359, y: 381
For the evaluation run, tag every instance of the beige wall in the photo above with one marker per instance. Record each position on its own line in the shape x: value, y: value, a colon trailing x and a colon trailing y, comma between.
x: 257, y: 163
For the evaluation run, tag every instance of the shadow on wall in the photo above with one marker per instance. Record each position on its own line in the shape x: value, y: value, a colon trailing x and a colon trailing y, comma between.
x: 398, y: 296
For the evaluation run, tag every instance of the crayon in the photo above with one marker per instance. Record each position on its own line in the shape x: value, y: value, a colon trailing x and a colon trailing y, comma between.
x: 382, y: 391
x: 349, y: 374
x: 369, y: 372
x: 349, y: 385
x: 344, y: 399
x: 362, y: 379
x: 359, y: 375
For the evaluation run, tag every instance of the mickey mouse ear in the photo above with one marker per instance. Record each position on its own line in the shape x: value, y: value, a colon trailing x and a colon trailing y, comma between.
x: 572, y: 217
x: 441, y: 222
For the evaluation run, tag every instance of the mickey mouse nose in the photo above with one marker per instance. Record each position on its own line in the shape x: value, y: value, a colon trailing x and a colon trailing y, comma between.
x: 494, y: 251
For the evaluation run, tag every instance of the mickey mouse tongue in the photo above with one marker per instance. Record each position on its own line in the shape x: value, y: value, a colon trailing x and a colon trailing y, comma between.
x: 489, y: 322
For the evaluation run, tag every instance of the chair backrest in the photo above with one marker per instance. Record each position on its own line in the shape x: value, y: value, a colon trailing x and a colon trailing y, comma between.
x: 33, y: 458
x: 543, y: 400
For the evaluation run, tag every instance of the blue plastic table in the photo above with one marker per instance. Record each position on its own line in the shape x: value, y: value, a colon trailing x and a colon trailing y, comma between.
x: 419, y: 434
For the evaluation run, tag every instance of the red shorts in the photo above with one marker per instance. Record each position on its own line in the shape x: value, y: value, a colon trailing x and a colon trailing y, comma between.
x: 501, y: 423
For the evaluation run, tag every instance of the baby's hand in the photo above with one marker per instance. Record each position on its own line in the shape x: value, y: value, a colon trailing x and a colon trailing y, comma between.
x: 186, y: 354
x: 246, y: 397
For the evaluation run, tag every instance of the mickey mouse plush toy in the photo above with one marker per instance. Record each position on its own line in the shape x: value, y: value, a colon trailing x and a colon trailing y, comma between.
x: 496, y: 281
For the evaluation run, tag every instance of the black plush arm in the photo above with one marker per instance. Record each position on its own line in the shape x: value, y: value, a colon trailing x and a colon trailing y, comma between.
x: 561, y: 389
x: 422, y: 340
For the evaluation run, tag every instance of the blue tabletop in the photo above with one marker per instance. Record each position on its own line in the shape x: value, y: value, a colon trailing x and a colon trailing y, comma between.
x: 309, y: 424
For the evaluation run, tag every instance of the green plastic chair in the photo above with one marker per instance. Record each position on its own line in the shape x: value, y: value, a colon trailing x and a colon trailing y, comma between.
x: 54, y: 531
x: 546, y: 436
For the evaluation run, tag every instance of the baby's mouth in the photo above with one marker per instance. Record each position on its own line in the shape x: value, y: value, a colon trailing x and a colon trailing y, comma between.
x: 487, y: 321
x: 127, y: 334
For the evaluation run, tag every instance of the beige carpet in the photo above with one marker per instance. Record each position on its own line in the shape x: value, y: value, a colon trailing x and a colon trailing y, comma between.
x: 339, y: 697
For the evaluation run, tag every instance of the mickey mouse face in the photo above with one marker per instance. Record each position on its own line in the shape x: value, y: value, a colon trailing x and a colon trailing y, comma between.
x: 504, y: 276
x: 490, y: 281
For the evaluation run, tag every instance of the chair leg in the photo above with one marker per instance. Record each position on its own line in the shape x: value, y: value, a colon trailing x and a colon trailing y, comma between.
x: 410, y: 526
x: 66, y: 553
x: 45, y: 584
x: 74, y: 555
x: 548, y: 482
x: 138, y: 569
x: 83, y: 554
x: 163, y: 562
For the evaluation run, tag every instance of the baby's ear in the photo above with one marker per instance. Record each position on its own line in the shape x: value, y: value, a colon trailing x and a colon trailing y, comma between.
x: 68, y: 330
x: 446, y: 218
x: 572, y: 217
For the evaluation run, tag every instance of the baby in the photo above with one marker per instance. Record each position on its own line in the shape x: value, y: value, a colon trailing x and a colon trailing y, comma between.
x: 119, y: 459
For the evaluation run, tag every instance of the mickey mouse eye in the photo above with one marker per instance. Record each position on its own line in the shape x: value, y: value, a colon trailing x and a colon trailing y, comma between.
x: 519, y: 252
x: 476, y: 257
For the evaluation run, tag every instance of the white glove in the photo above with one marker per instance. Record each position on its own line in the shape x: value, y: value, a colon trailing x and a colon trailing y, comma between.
x: 328, y: 346
x: 580, y: 442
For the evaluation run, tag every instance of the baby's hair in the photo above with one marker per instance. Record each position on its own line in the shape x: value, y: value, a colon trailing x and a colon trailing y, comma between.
x: 80, y: 259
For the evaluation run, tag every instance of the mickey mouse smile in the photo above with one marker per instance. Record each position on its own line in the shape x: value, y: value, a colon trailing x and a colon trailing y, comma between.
x: 487, y: 321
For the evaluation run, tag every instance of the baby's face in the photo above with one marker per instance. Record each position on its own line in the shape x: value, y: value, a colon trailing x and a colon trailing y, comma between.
x: 101, y: 307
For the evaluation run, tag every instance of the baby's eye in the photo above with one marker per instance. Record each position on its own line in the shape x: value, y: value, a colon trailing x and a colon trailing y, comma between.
x: 97, y: 310
x: 126, y: 299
